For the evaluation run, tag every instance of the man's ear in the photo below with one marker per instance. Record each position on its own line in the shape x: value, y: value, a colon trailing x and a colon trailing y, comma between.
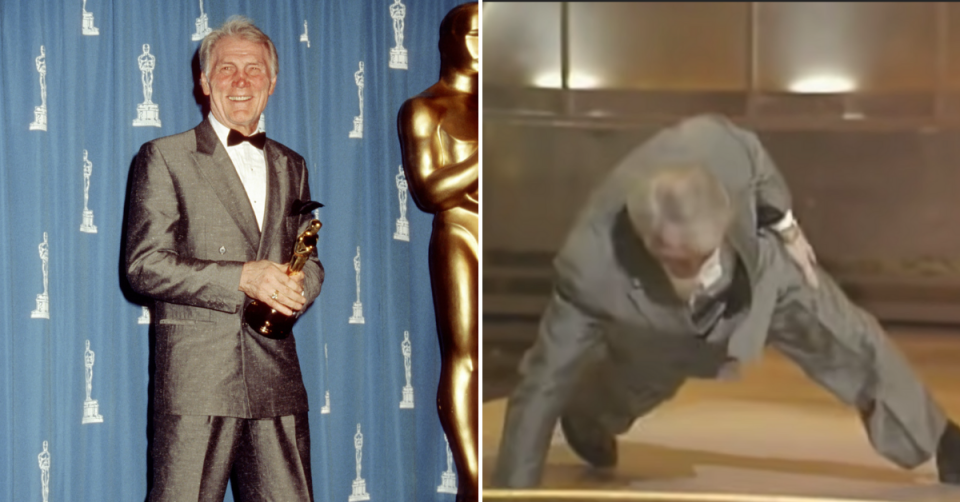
x: 204, y: 84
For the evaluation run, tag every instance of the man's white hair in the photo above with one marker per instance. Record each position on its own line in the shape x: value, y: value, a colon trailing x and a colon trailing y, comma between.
x: 685, y: 199
x: 240, y: 27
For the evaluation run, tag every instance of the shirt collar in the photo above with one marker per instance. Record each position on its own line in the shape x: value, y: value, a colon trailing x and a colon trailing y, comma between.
x: 710, y: 272
x: 221, y: 130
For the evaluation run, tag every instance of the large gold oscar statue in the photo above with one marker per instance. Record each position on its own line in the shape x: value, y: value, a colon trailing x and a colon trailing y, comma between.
x: 438, y: 140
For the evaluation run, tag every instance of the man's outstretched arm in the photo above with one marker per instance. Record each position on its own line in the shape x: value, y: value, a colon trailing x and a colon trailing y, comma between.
x: 548, y: 373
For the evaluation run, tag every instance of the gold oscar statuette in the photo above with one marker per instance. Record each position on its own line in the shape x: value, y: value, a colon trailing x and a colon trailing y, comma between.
x: 264, y: 319
x: 439, y: 143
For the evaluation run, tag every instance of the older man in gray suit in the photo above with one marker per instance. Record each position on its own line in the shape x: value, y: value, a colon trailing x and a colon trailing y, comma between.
x: 213, y: 216
x: 685, y: 263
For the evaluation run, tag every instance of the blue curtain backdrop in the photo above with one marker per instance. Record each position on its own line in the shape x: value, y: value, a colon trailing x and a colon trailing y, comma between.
x: 92, y: 86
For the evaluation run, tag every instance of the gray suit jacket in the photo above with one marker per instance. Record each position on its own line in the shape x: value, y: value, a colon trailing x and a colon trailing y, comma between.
x: 610, y: 295
x: 190, y: 228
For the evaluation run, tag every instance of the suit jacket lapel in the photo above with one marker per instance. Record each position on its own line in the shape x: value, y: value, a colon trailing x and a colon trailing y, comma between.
x: 277, y: 193
x: 747, y: 341
x: 743, y: 237
x: 217, y: 168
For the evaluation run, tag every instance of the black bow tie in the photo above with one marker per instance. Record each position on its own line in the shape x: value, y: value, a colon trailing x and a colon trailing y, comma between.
x: 257, y: 140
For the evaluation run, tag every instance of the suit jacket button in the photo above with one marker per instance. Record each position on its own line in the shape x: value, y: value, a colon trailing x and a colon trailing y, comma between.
x: 223, y: 250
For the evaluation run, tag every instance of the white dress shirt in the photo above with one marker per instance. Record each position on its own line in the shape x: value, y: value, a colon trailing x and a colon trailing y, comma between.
x: 710, y: 273
x: 251, y: 166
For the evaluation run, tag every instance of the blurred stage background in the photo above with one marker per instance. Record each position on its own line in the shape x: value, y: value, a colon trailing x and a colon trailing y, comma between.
x: 858, y: 103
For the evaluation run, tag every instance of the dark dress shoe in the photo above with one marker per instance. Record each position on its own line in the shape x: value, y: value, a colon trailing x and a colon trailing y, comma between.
x: 948, y: 455
x: 588, y: 439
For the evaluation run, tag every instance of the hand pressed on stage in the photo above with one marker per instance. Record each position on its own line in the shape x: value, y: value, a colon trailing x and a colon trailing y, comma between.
x: 268, y: 282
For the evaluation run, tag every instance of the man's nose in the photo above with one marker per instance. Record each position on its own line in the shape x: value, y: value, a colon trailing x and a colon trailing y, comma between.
x: 241, y: 80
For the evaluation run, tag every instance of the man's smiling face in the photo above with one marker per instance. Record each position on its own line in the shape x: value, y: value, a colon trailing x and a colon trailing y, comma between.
x: 239, y: 83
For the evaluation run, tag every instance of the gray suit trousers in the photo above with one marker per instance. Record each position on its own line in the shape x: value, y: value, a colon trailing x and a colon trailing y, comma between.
x: 837, y: 344
x: 265, y: 459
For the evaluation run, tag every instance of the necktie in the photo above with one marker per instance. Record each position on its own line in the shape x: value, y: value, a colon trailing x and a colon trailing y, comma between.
x: 257, y: 140
x: 707, y: 311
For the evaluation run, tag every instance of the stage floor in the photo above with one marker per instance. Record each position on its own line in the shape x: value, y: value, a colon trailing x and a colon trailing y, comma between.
x: 772, y: 432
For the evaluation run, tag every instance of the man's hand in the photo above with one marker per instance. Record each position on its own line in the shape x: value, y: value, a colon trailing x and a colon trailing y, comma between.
x: 801, y: 252
x: 268, y: 282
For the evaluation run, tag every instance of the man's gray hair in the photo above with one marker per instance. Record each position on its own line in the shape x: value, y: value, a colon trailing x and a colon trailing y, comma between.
x: 241, y: 27
x: 688, y: 199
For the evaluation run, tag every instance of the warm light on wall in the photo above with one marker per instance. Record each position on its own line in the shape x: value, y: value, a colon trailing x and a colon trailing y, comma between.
x: 583, y: 81
x: 552, y: 80
x: 549, y: 80
x: 822, y: 84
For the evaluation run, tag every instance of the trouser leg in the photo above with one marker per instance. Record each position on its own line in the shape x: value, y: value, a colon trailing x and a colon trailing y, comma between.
x: 844, y: 349
x: 265, y: 459
x: 192, y: 457
x: 273, y: 460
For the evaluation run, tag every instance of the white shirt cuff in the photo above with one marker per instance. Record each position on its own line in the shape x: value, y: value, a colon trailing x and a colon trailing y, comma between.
x: 786, y: 222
